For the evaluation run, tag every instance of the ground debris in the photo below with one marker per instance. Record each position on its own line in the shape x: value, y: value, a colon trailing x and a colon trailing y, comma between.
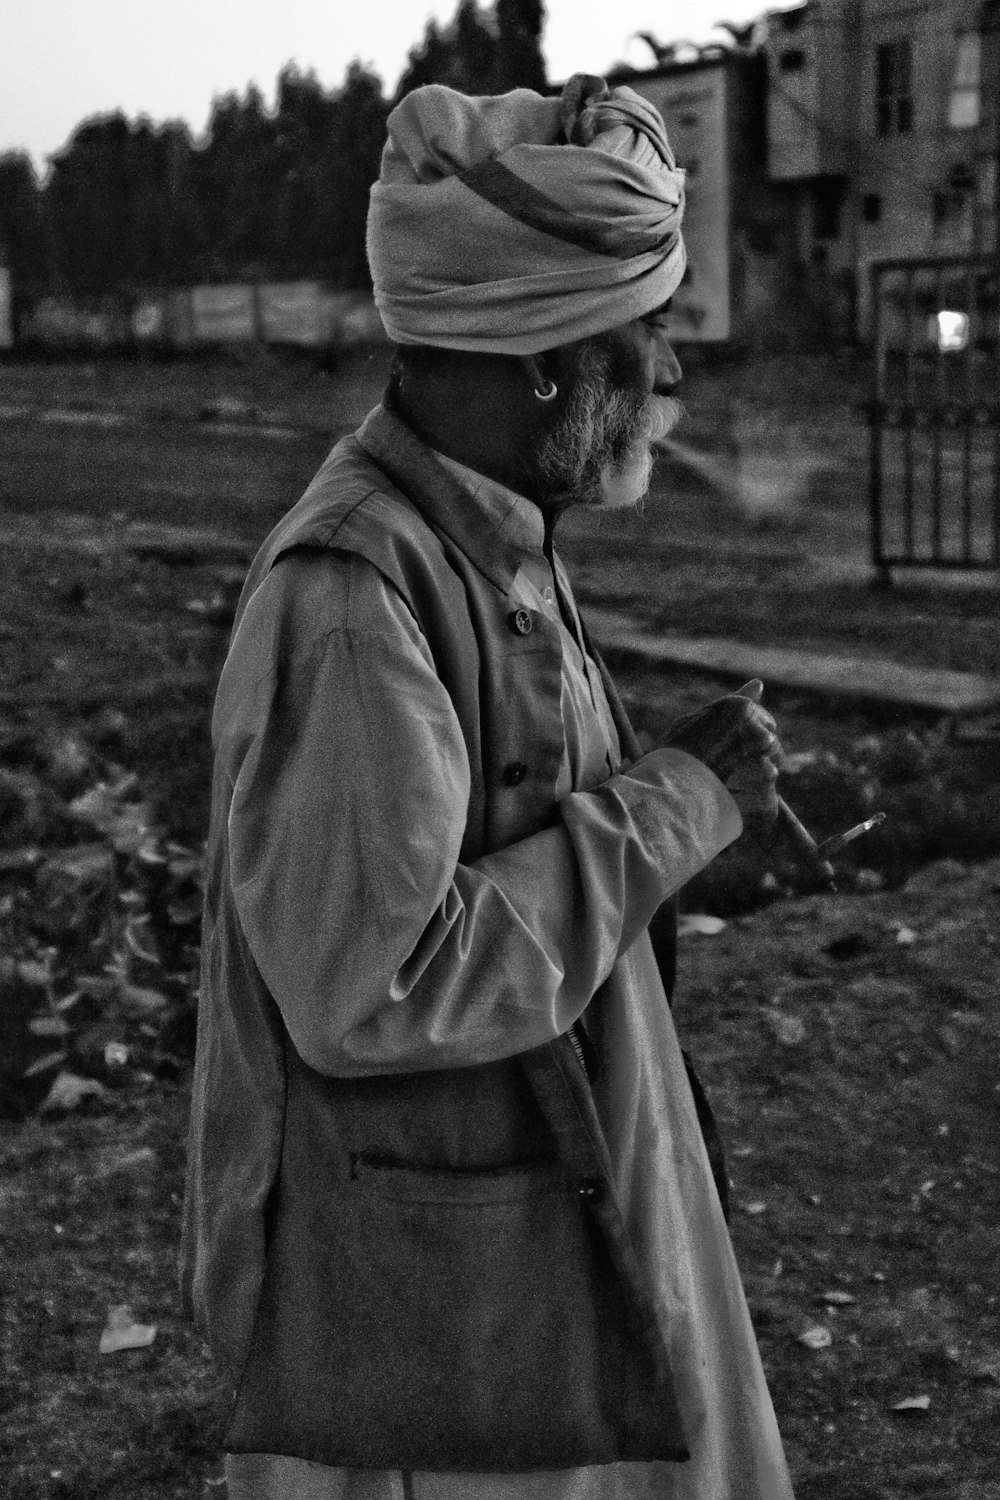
x: 106, y: 933
x: 816, y: 1337
x: 912, y: 1404
x: 69, y: 1091
x: 123, y: 1332
x: 699, y: 924
x: 789, y: 1030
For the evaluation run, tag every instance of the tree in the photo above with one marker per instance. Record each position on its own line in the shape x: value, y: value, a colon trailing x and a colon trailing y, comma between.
x: 115, y: 205
x: 352, y: 165
x: 481, y: 52
x: 474, y: 51
x: 235, y: 180
x: 23, y: 241
x: 286, y: 194
x: 304, y: 123
x: 519, y: 54
x: 427, y: 62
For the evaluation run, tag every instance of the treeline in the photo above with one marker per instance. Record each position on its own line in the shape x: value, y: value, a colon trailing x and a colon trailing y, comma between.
x: 280, y: 193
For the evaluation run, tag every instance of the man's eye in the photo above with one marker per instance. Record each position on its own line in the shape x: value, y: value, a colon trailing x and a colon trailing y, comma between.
x: 657, y: 320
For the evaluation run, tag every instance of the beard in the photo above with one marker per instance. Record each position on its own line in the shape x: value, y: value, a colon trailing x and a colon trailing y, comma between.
x: 600, y: 451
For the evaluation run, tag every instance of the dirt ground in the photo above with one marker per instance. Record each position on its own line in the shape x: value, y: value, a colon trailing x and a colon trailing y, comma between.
x: 850, y: 1043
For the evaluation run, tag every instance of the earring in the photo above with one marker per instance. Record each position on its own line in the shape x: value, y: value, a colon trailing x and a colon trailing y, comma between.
x: 543, y: 388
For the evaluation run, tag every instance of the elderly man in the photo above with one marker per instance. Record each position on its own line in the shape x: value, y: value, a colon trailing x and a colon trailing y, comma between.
x: 451, y: 1227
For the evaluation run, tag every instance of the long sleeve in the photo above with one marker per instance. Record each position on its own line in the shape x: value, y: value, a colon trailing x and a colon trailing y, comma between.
x: 350, y: 787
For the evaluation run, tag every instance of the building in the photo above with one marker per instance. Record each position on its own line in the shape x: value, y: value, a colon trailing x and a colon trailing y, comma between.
x: 883, y: 126
x: 739, y: 228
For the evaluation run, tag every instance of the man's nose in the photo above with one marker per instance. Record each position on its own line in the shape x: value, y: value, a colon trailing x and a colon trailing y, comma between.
x: 667, y: 370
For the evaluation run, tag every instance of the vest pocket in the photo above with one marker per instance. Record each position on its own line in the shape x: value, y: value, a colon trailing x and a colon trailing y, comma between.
x: 445, y: 1185
x: 435, y: 1320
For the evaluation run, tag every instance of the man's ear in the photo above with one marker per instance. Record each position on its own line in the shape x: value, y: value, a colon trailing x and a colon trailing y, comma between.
x: 542, y: 383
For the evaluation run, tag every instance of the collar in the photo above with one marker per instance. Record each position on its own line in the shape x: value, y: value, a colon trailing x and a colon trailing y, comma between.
x: 496, y: 528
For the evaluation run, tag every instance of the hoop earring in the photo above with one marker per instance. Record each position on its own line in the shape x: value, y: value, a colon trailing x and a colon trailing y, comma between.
x: 548, y: 393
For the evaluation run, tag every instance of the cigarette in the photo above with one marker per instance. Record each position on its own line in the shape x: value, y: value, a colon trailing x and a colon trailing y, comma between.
x: 831, y: 846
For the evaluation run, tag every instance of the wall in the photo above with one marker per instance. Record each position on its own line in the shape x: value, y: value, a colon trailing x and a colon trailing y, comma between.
x: 738, y: 226
x: 301, y: 314
x: 694, y: 102
x: 6, y: 320
x: 926, y: 192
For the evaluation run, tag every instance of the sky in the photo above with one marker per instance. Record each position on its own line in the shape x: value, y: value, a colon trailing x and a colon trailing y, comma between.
x: 64, y: 60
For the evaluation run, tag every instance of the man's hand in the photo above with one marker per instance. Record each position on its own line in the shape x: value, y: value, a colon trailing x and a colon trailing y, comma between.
x: 737, y: 739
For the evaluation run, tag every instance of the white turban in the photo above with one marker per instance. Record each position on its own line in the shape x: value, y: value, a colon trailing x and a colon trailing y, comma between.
x: 515, y: 223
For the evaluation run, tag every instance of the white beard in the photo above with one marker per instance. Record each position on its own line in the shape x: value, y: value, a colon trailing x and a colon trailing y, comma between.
x: 581, y: 460
x: 625, y: 484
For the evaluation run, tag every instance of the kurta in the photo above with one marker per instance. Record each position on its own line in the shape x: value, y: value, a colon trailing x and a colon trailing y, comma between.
x: 366, y: 669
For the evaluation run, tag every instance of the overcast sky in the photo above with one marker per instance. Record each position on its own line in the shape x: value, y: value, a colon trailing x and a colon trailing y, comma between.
x: 62, y: 60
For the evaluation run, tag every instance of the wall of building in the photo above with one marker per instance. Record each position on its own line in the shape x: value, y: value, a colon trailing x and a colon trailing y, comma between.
x: 869, y: 185
x: 694, y: 101
x: 739, y: 226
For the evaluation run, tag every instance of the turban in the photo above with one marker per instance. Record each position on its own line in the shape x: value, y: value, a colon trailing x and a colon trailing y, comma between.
x: 513, y: 223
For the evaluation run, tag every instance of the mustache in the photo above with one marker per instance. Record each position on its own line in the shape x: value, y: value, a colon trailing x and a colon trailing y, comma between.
x: 662, y: 414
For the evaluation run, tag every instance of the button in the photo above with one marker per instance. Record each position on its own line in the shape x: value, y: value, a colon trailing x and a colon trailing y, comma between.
x: 514, y: 773
x: 520, y: 621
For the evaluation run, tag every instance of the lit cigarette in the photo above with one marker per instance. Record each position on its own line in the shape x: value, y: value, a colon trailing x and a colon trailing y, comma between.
x: 831, y: 846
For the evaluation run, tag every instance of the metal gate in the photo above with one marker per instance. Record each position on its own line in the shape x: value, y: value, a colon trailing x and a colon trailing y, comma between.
x: 935, y: 416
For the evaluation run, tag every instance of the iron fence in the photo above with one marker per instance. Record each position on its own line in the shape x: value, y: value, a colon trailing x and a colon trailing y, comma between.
x: 935, y: 415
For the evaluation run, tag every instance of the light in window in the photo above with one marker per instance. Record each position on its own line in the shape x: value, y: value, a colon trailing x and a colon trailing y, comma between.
x: 950, y: 330
x: 963, y: 106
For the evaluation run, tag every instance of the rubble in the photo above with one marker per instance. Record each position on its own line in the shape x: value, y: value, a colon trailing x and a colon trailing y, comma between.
x: 98, y: 970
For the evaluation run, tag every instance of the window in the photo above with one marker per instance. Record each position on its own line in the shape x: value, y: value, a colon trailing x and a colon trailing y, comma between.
x: 894, y: 87
x: 871, y: 208
x: 963, y: 106
x: 828, y: 196
x: 792, y: 60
